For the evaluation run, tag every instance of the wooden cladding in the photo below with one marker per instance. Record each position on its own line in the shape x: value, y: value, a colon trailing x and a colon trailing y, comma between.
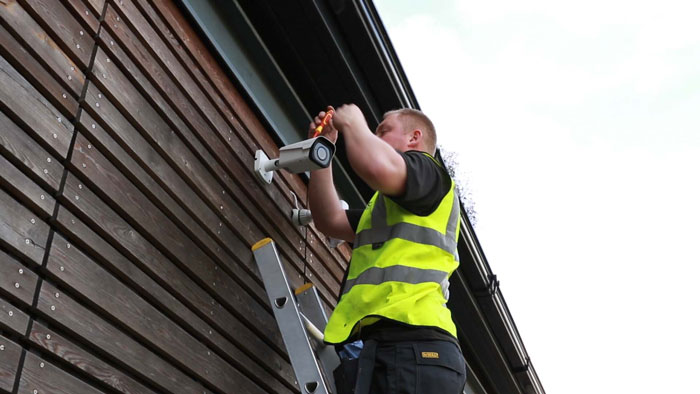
x: 128, y: 205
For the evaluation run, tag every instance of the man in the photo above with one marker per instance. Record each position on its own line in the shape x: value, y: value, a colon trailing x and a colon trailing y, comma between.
x: 404, y: 249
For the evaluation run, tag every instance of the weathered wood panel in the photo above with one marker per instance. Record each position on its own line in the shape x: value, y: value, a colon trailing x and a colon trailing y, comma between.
x: 41, y: 376
x: 16, y: 280
x: 31, y: 158
x: 21, y: 230
x: 122, y: 304
x: 93, y: 329
x: 141, y: 252
x: 238, y: 157
x: 30, y: 107
x: 67, y: 31
x: 25, y: 189
x: 89, y: 18
x: 186, y: 44
x: 159, y: 172
x: 84, y: 360
x: 161, y: 135
x: 163, y: 138
x: 123, y: 194
x: 35, y: 73
x: 35, y: 40
x: 10, y: 354
x: 12, y: 318
x: 97, y: 6
x: 261, y: 358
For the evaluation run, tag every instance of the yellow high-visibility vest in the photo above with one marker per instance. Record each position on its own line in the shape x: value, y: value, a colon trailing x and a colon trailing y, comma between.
x: 400, y: 266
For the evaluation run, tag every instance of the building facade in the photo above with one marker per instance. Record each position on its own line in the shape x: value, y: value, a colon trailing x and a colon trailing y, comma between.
x: 128, y: 199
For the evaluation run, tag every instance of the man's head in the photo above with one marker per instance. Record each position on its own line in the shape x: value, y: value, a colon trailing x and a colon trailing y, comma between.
x: 408, y: 129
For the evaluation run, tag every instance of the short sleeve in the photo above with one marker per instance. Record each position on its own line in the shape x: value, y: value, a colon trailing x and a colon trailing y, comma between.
x: 426, y: 184
x: 354, y: 216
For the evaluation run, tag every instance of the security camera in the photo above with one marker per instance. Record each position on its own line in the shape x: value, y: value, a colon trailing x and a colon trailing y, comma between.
x: 307, y: 155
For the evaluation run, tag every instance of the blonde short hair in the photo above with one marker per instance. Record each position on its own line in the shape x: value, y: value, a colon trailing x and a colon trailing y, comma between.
x: 413, y: 119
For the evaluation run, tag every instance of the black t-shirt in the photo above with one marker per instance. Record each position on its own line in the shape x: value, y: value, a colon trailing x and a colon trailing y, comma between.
x: 426, y: 185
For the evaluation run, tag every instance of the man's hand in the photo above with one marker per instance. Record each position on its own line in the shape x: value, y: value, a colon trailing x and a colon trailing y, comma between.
x: 349, y: 118
x: 329, y: 131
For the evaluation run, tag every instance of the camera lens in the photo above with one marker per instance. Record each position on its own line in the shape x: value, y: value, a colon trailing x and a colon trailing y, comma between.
x: 322, y: 153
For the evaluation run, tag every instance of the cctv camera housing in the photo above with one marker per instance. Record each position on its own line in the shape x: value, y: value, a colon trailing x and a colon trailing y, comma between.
x: 307, y: 155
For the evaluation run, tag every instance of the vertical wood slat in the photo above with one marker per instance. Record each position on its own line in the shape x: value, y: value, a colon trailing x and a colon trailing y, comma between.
x: 33, y: 71
x: 10, y: 354
x: 28, y: 105
x: 100, y: 334
x: 18, y: 232
x: 41, y: 376
x: 263, y: 358
x: 79, y: 358
x: 13, y: 318
x: 17, y: 280
x: 28, y: 155
x: 65, y: 28
x: 35, y: 39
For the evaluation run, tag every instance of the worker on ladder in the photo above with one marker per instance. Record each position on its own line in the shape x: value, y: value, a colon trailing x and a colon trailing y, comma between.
x: 391, y: 325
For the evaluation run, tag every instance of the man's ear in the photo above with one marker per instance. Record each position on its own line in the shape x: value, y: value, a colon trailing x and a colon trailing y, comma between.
x: 416, y: 138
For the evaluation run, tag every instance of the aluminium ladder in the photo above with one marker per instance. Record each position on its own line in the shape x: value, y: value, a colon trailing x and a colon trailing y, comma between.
x: 301, y: 319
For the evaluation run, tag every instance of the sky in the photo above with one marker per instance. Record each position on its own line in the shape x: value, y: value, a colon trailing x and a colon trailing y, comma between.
x: 577, y: 130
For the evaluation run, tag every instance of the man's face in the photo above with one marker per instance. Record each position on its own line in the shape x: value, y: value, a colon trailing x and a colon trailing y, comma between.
x: 391, y: 131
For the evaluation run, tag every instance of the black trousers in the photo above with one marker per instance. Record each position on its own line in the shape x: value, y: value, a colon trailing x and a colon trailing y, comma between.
x: 424, y: 367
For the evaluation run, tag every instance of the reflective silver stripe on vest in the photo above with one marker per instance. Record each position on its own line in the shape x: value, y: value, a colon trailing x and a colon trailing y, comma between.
x: 399, y: 273
x: 380, y: 232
